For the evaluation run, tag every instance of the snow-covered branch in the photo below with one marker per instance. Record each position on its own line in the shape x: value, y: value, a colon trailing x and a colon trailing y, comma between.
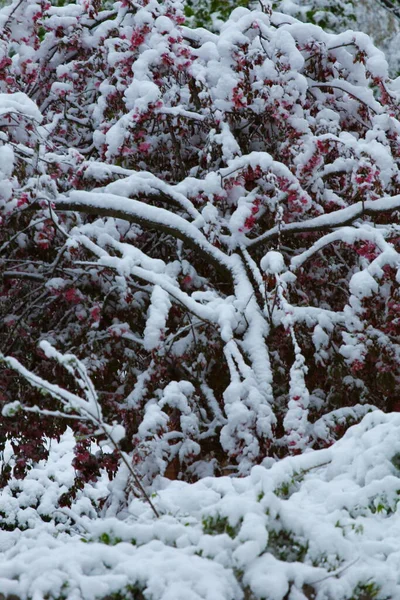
x: 150, y: 217
x: 88, y: 409
x: 339, y: 218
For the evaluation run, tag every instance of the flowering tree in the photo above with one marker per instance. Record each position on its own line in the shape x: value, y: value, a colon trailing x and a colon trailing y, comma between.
x: 380, y: 19
x: 199, y: 274
x: 205, y: 225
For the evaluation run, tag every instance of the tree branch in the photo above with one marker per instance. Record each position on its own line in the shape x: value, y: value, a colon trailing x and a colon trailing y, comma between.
x: 23, y: 275
x: 148, y: 217
x: 344, y: 216
x: 388, y: 5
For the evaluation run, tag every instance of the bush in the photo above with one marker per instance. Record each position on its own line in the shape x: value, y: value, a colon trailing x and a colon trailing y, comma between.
x: 199, y: 239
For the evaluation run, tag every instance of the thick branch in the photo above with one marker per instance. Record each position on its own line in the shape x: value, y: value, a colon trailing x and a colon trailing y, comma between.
x: 148, y: 217
x: 142, y: 184
x: 23, y: 275
x: 363, y: 95
x: 345, y: 216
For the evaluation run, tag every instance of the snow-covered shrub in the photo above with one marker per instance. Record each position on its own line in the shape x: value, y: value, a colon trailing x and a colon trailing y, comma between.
x: 209, y: 223
x: 323, y: 525
x: 331, y: 15
x: 211, y: 13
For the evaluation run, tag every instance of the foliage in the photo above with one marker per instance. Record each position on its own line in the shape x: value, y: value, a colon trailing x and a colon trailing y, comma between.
x: 211, y: 13
x: 331, y: 15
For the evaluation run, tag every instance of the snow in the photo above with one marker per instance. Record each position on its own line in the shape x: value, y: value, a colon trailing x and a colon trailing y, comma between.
x: 363, y: 285
x: 139, y: 95
x: 219, y: 534
x: 19, y: 103
x: 156, y: 321
x: 272, y: 263
x: 6, y: 161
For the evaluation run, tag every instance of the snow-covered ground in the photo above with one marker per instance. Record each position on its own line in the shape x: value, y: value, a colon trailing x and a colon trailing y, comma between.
x: 322, y: 525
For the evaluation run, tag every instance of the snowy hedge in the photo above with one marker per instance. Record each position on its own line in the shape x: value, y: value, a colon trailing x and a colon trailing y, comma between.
x: 324, y: 525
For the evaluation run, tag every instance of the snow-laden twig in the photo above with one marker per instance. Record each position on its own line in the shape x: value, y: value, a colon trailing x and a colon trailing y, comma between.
x: 88, y: 409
